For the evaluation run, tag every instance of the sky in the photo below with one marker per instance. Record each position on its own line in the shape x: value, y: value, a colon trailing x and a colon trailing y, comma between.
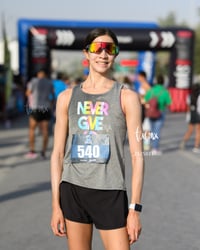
x: 96, y: 10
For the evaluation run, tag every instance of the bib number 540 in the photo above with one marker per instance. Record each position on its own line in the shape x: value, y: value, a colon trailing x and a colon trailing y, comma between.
x: 88, y: 151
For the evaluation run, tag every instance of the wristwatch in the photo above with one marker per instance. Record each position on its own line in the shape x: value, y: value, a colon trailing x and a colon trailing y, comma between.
x: 136, y: 207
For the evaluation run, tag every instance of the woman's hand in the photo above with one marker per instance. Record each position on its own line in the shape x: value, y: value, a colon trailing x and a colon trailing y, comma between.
x: 58, y: 223
x: 134, y: 227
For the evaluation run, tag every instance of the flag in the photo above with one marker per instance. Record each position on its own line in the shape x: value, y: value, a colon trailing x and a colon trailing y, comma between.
x: 7, y: 64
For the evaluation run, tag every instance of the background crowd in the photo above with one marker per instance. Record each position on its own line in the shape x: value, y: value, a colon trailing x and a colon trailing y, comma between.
x: 19, y: 102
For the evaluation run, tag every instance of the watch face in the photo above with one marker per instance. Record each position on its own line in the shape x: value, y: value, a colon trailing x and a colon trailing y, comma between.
x: 138, y: 207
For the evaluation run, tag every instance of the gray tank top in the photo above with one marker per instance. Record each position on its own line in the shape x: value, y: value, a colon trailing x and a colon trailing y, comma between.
x: 94, y: 155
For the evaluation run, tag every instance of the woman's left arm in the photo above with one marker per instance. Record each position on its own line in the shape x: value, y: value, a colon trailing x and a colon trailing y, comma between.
x: 132, y: 109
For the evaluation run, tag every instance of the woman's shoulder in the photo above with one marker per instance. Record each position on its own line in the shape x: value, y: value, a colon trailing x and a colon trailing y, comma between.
x: 129, y: 94
x: 65, y: 96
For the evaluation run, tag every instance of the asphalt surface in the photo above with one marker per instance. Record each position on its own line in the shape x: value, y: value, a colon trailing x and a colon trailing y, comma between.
x: 171, y: 195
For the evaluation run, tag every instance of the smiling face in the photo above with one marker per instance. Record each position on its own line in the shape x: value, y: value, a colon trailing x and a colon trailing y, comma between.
x: 102, y: 61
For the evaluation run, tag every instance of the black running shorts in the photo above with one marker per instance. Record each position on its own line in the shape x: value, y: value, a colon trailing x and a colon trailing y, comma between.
x: 41, y: 114
x: 106, y: 209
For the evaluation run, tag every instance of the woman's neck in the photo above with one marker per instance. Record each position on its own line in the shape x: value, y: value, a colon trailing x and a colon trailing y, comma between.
x: 98, y: 82
x: 97, y: 85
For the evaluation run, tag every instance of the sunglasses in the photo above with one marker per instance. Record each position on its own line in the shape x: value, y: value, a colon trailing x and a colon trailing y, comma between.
x: 98, y: 47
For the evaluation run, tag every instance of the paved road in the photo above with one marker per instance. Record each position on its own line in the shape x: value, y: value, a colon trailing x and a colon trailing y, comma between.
x: 171, y: 194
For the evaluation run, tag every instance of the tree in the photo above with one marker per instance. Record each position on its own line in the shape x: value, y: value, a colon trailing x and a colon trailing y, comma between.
x: 197, y: 47
x: 197, y: 51
x: 7, y: 63
x: 170, y: 20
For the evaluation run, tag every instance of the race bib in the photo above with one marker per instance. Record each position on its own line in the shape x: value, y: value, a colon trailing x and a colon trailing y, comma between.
x: 90, y: 148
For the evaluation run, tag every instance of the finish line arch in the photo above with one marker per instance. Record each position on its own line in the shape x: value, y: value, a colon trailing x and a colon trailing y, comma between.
x: 38, y: 37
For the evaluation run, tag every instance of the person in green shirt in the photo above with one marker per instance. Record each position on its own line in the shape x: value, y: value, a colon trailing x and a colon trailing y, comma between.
x: 164, y: 100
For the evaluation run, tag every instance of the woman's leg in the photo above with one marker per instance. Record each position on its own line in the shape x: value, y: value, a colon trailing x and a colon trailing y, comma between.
x: 79, y: 235
x: 189, y: 132
x: 187, y: 135
x: 32, y: 126
x: 197, y: 136
x: 116, y: 239
x: 156, y: 126
x: 44, y: 125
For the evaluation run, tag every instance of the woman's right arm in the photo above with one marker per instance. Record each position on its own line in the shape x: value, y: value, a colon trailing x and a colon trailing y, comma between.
x: 57, y: 156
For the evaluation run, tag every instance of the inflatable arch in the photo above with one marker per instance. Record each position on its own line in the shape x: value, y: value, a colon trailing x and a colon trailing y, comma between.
x: 38, y: 37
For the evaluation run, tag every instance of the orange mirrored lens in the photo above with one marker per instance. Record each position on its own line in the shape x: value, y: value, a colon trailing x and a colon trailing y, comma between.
x: 98, y: 47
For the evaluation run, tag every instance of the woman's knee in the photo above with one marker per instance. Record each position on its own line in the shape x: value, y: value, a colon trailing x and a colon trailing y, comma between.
x: 79, y: 235
x: 116, y: 239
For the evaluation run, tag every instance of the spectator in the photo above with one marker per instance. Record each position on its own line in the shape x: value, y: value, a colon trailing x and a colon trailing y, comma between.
x: 143, y: 88
x: 194, y: 119
x: 164, y: 100
x: 76, y: 82
x: 39, y: 108
x: 128, y: 82
x: 60, y: 84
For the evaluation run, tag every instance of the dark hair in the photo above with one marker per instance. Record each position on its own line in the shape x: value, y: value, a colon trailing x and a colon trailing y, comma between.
x: 160, y: 79
x: 142, y: 73
x: 99, y: 32
x: 195, y: 91
x: 44, y: 70
x: 59, y: 75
